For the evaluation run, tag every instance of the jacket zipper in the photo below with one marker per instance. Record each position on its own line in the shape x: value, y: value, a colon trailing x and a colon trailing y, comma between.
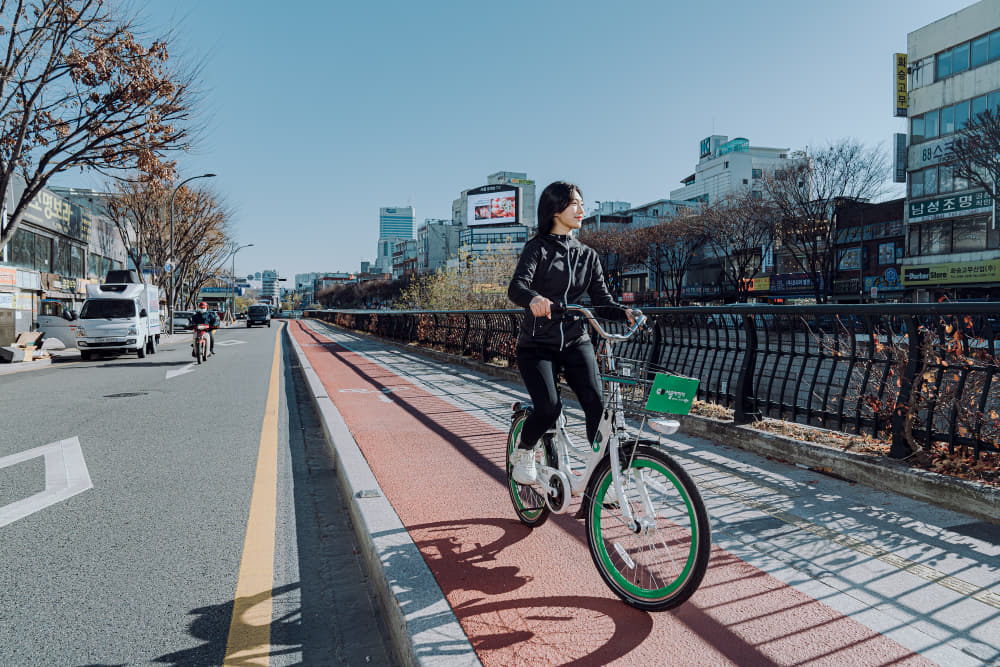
x: 569, y: 280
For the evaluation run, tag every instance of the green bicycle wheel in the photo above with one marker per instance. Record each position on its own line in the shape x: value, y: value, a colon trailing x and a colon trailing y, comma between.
x: 529, y: 504
x: 659, y: 563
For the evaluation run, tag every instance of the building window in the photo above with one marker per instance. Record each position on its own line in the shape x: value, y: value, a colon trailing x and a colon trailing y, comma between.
x: 77, y: 269
x: 931, y: 124
x: 960, y: 58
x: 935, y: 238
x: 969, y: 235
x: 23, y: 249
x: 980, y: 51
x: 930, y: 181
x: 948, y: 120
x: 961, y: 115
x: 43, y: 253
x: 757, y: 173
x: 944, y: 65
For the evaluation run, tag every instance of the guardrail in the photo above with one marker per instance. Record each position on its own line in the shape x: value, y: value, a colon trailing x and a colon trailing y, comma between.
x: 913, y: 373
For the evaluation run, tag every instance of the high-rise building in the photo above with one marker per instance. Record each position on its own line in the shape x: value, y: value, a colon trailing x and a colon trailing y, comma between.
x: 269, y: 286
x: 394, y: 224
x: 952, y: 240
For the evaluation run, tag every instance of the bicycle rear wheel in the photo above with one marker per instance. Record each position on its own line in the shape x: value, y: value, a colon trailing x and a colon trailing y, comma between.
x: 529, y: 504
x: 659, y: 564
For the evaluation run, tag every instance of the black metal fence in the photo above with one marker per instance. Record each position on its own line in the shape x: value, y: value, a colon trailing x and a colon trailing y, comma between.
x: 912, y: 373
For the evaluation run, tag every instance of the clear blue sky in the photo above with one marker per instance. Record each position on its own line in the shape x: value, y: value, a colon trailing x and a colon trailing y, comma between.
x: 319, y: 113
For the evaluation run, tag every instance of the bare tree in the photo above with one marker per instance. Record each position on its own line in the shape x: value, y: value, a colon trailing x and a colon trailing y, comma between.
x: 805, y: 194
x: 671, y: 245
x: 140, y: 211
x: 609, y: 244
x: 736, y: 230
x: 79, y: 89
x: 976, y: 153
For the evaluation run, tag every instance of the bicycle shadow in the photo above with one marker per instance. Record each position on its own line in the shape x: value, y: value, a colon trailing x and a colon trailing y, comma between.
x: 498, y: 623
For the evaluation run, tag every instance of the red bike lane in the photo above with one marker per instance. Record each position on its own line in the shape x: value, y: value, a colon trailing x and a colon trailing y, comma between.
x: 535, y: 597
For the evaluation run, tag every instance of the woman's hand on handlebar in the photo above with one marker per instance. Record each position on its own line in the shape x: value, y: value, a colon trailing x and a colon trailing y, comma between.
x: 541, y: 307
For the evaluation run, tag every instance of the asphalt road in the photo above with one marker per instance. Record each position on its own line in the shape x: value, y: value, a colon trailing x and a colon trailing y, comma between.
x: 125, y: 496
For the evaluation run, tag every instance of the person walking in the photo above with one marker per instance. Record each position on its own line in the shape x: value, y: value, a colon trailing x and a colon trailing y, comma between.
x: 555, y: 267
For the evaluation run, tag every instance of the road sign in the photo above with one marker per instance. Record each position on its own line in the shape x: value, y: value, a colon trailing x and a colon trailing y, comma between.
x: 169, y: 265
x: 874, y: 291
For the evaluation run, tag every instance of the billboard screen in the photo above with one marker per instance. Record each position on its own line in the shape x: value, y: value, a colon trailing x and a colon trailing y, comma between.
x: 492, y: 205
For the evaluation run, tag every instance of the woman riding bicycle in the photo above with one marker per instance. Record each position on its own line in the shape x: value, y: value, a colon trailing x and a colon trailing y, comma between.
x: 555, y: 267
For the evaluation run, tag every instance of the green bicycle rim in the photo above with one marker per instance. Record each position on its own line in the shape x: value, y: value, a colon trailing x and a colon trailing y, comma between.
x: 603, y: 552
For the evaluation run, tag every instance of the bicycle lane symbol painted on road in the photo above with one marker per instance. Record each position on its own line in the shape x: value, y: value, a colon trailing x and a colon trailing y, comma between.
x: 66, y: 475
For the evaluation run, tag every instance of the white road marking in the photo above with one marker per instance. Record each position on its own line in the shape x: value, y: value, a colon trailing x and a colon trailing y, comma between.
x: 65, y: 476
x: 186, y: 369
x: 226, y: 343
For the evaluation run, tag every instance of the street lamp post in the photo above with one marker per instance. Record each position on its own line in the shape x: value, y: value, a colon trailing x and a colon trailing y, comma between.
x: 170, y: 304
x: 232, y: 281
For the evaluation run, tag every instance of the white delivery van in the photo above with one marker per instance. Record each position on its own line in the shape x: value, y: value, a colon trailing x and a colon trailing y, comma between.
x: 119, y: 317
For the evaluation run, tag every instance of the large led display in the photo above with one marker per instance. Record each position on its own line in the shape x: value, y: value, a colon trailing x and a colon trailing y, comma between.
x: 492, y: 205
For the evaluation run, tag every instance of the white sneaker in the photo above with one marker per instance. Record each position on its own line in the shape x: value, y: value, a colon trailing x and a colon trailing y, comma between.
x: 524, y: 466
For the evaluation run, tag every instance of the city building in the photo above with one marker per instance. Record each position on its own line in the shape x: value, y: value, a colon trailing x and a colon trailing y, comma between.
x: 952, y: 240
x: 394, y: 224
x: 729, y: 166
x: 58, y: 248
x: 437, y: 241
x: 269, y: 291
x: 404, y: 258
x: 500, y: 214
x: 870, y: 243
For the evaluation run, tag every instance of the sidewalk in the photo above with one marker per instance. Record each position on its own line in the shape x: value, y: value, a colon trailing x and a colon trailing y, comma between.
x: 805, y: 567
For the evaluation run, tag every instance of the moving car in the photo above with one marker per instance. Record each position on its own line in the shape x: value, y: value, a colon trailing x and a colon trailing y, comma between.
x: 258, y: 314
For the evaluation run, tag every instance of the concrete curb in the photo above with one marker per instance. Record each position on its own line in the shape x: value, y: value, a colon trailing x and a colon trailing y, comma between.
x: 421, y: 622
x: 879, y: 472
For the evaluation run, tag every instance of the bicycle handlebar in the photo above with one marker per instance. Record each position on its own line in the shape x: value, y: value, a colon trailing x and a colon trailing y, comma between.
x: 640, y: 319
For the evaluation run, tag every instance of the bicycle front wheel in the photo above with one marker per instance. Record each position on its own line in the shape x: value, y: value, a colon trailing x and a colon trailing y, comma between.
x: 529, y: 504
x: 659, y: 562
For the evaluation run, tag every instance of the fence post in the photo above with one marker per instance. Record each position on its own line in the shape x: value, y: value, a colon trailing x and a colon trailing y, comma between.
x: 900, y: 449
x: 744, y: 408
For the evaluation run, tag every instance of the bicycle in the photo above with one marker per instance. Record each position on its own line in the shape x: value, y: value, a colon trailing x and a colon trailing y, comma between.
x: 652, y: 550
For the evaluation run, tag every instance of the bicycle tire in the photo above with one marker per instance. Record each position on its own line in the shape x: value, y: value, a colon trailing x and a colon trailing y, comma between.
x: 657, y: 571
x: 529, y: 504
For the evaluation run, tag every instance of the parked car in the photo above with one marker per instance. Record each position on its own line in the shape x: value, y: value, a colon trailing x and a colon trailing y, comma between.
x: 182, y: 320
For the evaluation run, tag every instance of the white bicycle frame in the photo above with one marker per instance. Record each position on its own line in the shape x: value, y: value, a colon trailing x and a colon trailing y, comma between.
x: 610, y: 434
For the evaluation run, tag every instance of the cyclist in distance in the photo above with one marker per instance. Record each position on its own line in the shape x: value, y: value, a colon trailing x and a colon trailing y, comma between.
x: 555, y: 267
x: 204, y: 316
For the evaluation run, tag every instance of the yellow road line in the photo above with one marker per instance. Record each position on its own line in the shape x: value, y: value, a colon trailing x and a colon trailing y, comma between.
x: 249, y: 640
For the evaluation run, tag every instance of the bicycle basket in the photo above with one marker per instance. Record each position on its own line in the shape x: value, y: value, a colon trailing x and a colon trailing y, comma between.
x: 643, y: 388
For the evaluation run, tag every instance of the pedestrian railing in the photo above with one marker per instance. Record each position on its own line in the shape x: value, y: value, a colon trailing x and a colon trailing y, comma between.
x: 913, y: 374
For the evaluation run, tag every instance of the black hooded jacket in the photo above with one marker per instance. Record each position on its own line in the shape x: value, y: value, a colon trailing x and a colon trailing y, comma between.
x: 561, y: 269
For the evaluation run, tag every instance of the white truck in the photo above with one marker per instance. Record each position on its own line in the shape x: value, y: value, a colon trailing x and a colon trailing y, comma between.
x: 119, y: 317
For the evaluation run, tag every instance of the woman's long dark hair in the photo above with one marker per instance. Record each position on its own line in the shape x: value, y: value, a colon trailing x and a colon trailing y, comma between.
x: 553, y: 201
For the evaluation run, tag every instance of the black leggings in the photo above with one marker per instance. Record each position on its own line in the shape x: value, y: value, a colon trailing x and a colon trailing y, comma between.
x: 538, y: 366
